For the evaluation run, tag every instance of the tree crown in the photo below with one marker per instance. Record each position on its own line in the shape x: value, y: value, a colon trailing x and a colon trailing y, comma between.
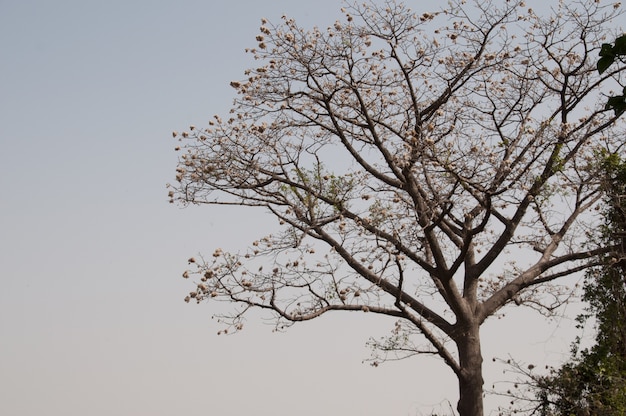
x: 405, y: 164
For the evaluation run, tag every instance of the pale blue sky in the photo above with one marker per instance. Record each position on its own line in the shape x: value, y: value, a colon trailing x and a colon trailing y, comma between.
x: 92, y: 318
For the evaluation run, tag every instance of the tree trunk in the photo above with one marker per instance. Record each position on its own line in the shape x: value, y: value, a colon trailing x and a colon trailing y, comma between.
x: 471, y: 379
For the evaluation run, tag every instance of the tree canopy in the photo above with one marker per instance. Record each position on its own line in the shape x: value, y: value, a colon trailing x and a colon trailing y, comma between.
x: 432, y: 167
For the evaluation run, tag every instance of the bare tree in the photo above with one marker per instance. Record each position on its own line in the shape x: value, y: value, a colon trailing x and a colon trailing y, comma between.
x: 430, y: 175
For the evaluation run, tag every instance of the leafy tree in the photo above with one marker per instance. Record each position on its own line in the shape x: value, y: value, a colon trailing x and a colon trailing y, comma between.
x: 404, y: 163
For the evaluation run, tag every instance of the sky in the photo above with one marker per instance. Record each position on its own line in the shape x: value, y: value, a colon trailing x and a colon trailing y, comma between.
x: 92, y: 317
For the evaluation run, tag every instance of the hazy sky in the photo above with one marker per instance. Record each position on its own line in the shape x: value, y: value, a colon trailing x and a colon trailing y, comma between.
x: 92, y: 318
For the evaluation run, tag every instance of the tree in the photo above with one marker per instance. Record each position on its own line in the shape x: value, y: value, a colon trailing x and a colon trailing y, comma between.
x: 404, y: 164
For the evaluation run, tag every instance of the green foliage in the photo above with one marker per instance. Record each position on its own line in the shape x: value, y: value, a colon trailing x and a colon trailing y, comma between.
x: 319, y: 189
x: 608, y: 55
x: 617, y: 103
x: 587, y: 386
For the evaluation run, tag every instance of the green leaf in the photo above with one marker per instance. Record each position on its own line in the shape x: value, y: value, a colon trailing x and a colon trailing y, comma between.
x: 609, y: 53
x: 604, y: 63
x: 617, y: 103
x: 607, y: 50
x: 620, y: 46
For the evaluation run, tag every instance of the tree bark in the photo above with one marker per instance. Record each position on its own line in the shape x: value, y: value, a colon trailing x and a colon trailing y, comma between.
x: 471, y: 377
